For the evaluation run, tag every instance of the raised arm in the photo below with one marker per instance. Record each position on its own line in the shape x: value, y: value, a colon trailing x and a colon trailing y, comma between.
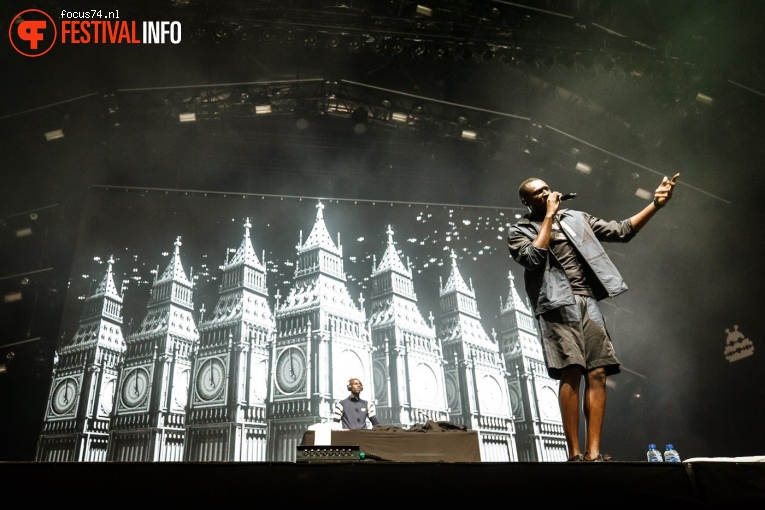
x: 661, y: 196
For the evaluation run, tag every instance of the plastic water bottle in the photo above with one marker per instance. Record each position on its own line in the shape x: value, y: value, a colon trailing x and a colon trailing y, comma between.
x: 654, y: 455
x: 670, y: 454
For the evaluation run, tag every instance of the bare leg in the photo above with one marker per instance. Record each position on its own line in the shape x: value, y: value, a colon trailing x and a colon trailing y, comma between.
x: 568, y: 399
x: 594, y: 408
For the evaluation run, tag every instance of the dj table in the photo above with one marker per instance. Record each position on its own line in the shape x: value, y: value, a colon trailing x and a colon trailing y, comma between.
x: 399, y: 445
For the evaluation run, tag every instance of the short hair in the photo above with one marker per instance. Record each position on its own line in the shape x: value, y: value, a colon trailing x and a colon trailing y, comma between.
x: 522, y: 187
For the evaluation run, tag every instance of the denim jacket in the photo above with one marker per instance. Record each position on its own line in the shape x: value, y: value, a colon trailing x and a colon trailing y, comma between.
x: 546, y: 283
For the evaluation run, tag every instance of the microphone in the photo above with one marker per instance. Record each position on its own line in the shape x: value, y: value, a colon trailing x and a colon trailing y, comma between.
x: 567, y: 196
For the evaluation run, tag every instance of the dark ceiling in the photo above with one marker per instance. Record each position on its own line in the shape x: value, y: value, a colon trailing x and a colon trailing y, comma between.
x: 634, y: 89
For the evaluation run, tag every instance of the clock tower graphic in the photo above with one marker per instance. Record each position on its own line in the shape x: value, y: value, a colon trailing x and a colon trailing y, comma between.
x: 533, y: 394
x: 321, y: 341
x: 408, y: 358
x: 476, y: 389
x: 77, y: 419
x: 150, y: 409
x: 226, y: 418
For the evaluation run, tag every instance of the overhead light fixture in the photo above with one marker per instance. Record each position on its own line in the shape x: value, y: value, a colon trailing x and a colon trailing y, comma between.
x: 399, y: 117
x: 703, y: 98
x: 187, y: 117
x: 584, y: 168
x: 262, y: 108
x: 302, y: 123
x: 360, y: 118
x: 467, y: 134
x: 311, y: 41
x: 644, y: 194
x: 24, y: 232
x: 267, y: 35
x: 12, y: 297
x: 54, y: 135
x: 423, y: 10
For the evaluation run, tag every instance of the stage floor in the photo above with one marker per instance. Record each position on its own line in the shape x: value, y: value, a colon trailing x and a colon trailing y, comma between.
x: 132, y: 485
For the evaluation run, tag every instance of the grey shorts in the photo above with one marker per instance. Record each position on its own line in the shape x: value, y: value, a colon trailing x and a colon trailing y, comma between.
x: 577, y: 335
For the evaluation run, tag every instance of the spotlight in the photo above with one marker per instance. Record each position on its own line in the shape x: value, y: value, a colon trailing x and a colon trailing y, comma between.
x: 302, y: 123
x: 268, y: 35
x: 54, y: 135
x: 311, y: 41
x: 584, y: 168
x: 221, y: 33
x: 334, y: 41
x: 399, y: 117
x: 423, y: 10
x: 360, y: 118
x: 12, y: 297
x: 244, y: 34
x: 703, y: 98
x: 289, y: 37
x: 643, y: 193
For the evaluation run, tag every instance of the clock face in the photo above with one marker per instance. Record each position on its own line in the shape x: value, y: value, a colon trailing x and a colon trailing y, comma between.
x: 380, y: 383
x: 516, y: 401
x: 490, y: 394
x: 65, y: 395
x: 211, y: 378
x: 452, y: 393
x: 425, y: 386
x: 135, y: 387
x: 548, y: 404
x: 260, y: 381
x: 290, y: 369
x: 107, y: 397
x: 181, y: 389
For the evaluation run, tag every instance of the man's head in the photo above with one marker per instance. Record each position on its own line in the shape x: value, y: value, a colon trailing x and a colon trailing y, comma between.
x: 533, y: 192
x: 355, y: 386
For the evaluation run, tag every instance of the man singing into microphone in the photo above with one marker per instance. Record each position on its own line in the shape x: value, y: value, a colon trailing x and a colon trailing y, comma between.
x: 566, y: 273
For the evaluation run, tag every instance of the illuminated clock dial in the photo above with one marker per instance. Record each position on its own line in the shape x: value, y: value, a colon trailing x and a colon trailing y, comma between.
x: 211, y: 378
x: 135, y: 387
x: 380, y: 383
x: 260, y: 381
x: 181, y: 389
x: 65, y: 395
x: 490, y: 394
x: 106, y: 403
x: 452, y: 393
x: 548, y: 404
x: 290, y: 369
